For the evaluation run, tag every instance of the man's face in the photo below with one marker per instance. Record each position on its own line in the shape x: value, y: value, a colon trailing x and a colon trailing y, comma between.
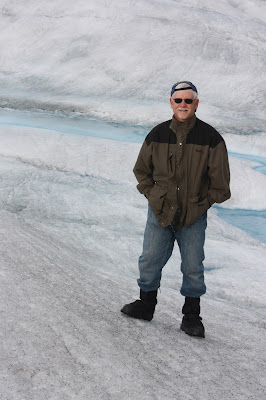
x: 183, y: 111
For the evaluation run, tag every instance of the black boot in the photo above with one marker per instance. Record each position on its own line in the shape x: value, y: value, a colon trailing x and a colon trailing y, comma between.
x: 191, y: 323
x: 143, y: 308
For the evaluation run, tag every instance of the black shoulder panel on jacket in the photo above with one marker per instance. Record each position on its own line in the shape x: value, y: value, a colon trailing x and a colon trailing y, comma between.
x: 161, y: 134
x: 204, y: 134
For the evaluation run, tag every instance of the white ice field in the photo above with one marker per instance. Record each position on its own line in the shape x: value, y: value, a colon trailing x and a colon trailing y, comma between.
x: 72, y: 221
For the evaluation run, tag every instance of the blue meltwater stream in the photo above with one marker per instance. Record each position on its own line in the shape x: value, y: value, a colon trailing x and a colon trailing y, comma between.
x: 251, y: 221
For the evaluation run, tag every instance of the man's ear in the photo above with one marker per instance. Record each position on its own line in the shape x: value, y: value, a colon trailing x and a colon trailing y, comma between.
x: 171, y: 103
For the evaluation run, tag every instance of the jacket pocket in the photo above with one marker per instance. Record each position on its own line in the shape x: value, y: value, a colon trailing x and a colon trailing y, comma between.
x: 200, y: 201
x: 196, y: 207
x: 170, y: 160
x: 156, y: 198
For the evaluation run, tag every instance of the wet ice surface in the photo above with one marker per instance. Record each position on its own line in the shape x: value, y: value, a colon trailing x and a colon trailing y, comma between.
x: 76, y: 125
x: 72, y: 225
x: 251, y: 221
x: 260, y: 161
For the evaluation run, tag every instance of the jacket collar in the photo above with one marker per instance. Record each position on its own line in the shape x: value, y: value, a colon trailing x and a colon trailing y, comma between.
x: 182, y: 127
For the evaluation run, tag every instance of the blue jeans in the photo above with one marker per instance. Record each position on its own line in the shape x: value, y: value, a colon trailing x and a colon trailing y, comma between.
x: 158, y: 246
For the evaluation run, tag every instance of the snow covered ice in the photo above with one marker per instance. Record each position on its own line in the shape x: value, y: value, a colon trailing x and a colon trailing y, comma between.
x: 72, y: 220
x: 71, y: 235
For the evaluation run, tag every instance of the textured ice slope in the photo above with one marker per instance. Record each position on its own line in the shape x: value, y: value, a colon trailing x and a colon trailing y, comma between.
x: 72, y: 221
x: 118, y: 59
x: 72, y: 226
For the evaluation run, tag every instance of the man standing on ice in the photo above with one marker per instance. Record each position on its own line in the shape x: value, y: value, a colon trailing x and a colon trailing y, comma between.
x: 182, y: 169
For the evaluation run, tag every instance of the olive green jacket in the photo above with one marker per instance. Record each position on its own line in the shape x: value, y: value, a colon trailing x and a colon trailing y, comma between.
x: 182, y: 169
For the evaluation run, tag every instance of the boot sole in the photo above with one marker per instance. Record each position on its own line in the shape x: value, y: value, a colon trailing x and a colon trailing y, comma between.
x: 127, y: 314
x: 193, y: 333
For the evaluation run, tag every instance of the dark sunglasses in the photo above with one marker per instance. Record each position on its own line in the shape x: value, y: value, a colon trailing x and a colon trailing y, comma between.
x: 188, y: 101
